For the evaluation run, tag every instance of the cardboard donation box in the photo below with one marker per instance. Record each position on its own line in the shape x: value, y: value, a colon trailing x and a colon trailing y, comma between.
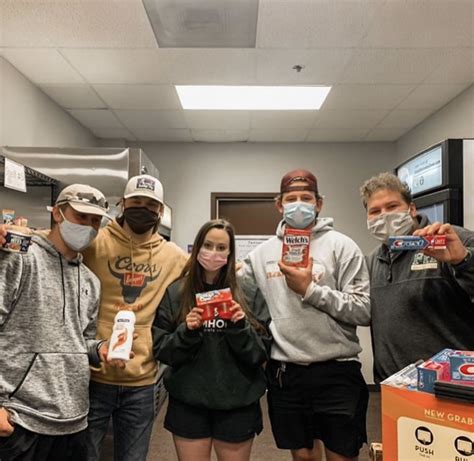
x: 417, y: 426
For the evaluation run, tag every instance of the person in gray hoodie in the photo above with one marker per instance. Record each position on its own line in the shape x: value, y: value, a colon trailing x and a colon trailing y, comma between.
x: 316, y: 393
x: 48, y: 308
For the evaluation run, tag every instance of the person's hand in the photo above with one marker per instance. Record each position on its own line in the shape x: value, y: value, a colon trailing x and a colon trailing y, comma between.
x: 455, y: 251
x: 298, y: 279
x: 116, y: 363
x: 194, y: 318
x: 237, y: 312
x: 3, y: 233
x: 6, y: 425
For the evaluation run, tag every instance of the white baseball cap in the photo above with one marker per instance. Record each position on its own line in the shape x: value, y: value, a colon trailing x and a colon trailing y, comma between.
x: 84, y: 199
x: 144, y: 186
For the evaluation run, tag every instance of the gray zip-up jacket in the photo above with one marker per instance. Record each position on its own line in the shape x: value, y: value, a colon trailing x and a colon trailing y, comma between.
x: 419, y: 305
x: 322, y: 325
x: 48, y: 309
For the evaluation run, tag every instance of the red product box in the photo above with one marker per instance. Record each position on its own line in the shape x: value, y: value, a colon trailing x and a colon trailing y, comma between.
x: 295, y: 251
x: 429, y: 372
x: 436, y: 242
x: 216, y: 303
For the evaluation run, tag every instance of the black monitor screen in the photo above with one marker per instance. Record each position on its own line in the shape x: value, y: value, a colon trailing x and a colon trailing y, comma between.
x: 424, y: 172
x: 434, y: 212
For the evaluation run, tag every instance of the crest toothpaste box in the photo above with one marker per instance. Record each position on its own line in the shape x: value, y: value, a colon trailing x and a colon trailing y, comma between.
x: 462, y: 366
x: 434, y: 369
x: 415, y: 242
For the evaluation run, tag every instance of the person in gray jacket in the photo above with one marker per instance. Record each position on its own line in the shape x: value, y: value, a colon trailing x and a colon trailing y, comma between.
x: 48, y: 308
x: 422, y: 301
x: 316, y: 392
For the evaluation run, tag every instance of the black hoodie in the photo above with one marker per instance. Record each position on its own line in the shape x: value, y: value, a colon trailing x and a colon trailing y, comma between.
x: 219, y: 366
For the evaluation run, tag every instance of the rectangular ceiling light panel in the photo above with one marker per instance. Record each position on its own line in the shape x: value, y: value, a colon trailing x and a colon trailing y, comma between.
x: 216, y: 97
x: 203, y: 23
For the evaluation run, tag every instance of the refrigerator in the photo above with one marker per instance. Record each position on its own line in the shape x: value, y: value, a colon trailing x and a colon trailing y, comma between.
x: 107, y: 169
x: 441, y: 179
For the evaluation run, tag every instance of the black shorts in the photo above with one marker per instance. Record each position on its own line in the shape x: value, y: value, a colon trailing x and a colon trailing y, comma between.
x: 25, y: 445
x: 235, y: 426
x: 325, y: 401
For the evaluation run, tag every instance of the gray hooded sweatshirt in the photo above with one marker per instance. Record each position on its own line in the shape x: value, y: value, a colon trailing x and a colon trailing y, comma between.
x: 48, y: 309
x: 321, y: 325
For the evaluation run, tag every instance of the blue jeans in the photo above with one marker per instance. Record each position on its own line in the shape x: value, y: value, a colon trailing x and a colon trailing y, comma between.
x: 132, y: 411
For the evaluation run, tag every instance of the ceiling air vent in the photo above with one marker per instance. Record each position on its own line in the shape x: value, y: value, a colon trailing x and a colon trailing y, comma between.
x: 203, y: 23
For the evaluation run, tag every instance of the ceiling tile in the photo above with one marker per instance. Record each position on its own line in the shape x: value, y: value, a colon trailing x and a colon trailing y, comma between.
x: 220, y: 135
x: 366, y: 96
x: 431, y: 97
x: 349, y: 119
x: 92, y: 118
x: 202, y: 66
x: 149, y: 120
x: 113, y: 133
x: 75, y: 23
x: 118, y: 66
x: 42, y: 65
x: 272, y: 120
x: 74, y: 96
x: 386, y: 134
x: 392, y: 66
x: 404, y: 118
x: 147, y: 97
x: 217, y: 119
x: 323, y: 66
x: 457, y: 66
x: 313, y: 24
x: 279, y: 135
x: 163, y: 135
x: 336, y: 135
x: 422, y: 23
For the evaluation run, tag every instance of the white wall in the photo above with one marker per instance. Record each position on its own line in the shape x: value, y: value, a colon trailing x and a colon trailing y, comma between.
x: 454, y: 120
x: 30, y: 118
x: 190, y: 172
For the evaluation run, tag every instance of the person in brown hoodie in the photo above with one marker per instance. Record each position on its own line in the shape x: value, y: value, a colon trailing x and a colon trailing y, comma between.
x: 135, y: 266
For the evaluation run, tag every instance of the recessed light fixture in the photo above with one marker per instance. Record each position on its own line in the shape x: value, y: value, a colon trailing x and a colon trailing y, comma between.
x: 220, y: 97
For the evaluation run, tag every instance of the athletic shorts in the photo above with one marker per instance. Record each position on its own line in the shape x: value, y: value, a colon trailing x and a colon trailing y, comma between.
x: 192, y: 422
x: 324, y: 400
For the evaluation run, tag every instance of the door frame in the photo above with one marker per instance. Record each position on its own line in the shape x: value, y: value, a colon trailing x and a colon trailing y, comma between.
x: 217, y: 197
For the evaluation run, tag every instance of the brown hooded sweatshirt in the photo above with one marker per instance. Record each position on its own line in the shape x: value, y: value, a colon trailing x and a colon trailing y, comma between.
x: 133, y: 276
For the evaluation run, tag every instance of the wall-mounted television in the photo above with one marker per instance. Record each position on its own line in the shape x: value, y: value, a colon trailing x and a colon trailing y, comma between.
x: 438, y: 167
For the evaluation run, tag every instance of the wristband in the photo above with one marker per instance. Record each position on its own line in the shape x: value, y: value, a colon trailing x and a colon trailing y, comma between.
x: 466, y: 259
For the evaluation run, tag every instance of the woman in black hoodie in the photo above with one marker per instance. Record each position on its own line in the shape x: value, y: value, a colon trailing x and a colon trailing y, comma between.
x: 216, y: 377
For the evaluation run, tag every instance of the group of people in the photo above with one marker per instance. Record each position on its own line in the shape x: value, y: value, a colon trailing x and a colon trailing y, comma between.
x: 291, y: 331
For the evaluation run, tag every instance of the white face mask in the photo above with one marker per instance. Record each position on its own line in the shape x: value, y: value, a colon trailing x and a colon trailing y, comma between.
x: 76, y: 236
x: 387, y: 225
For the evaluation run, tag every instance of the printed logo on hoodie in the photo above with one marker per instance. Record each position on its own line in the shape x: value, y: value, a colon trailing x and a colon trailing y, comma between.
x: 273, y: 271
x: 133, y: 282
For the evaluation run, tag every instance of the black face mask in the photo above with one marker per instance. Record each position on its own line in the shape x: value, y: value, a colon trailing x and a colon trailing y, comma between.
x: 141, y: 219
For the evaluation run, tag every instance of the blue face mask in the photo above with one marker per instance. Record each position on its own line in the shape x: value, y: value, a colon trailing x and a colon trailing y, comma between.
x: 299, y: 215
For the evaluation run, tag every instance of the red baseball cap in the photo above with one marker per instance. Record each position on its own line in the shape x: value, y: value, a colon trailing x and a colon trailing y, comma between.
x: 299, y: 175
